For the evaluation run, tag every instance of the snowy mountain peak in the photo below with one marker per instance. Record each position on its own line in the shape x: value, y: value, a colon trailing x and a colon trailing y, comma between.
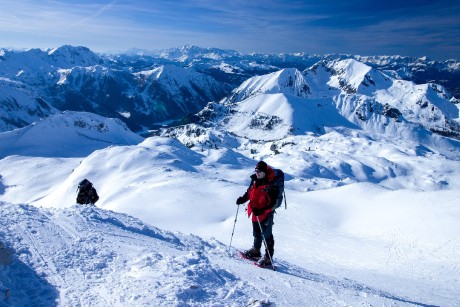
x: 154, y: 73
x: 171, y: 73
x: 352, y: 76
x: 69, y: 56
x: 173, y: 91
x: 190, y: 52
x: 287, y: 81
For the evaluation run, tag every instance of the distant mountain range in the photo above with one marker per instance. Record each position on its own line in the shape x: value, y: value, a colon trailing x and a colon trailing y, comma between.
x: 189, y: 84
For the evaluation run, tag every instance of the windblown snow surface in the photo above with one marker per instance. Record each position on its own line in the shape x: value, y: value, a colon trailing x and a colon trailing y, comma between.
x: 370, y: 221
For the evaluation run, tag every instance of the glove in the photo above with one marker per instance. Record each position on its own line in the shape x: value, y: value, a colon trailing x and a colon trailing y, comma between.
x: 240, y: 200
x: 257, y: 211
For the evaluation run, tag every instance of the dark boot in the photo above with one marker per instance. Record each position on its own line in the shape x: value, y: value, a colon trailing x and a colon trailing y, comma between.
x: 269, y: 251
x: 264, y: 261
x: 252, y: 253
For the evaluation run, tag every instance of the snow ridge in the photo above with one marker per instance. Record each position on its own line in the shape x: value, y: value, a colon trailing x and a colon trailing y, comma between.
x: 66, y: 134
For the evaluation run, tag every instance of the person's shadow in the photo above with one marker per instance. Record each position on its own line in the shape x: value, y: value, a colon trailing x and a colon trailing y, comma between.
x: 21, y: 286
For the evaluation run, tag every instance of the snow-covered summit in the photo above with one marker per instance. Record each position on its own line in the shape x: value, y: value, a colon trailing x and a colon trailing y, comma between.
x: 191, y: 53
x: 285, y: 81
x: 168, y: 91
x: 68, y: 56
x: 352, y: 77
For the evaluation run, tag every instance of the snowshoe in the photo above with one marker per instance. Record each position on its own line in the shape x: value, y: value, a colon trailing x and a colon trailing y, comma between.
x: 265, y: 263
x: 251, y: 254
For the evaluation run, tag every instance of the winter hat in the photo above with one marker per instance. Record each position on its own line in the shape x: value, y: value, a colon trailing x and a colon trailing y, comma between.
x: 261, y: 166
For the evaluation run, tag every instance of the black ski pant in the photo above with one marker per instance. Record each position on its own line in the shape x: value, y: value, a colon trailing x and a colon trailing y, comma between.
x: 267, y: 226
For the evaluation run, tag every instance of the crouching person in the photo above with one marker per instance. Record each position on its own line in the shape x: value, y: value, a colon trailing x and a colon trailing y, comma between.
x: 87, y: 194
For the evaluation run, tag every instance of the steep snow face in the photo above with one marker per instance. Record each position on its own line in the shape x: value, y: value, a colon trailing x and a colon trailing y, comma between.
x: 318, y: 77
x: 20, y: 105
x: 79, y: 77
x: 187, y: 90
x: 263, y: 117
x: 285, y: 81
x: 270, y: 117
x: 425, y: 104
x: 353, y: 77
x: 57, y: 136
x: 348, y: 74
x: 68, y: 56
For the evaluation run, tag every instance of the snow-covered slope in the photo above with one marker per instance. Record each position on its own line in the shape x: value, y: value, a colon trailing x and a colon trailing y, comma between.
x: 186, y: 90
x: 369, y: 221
x: 20, y: 105
x: 101, y: 258
x: 66, y: 134
x: 391, y: 239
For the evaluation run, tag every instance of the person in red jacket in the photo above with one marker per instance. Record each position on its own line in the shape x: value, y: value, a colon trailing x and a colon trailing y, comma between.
x: 262, y: 195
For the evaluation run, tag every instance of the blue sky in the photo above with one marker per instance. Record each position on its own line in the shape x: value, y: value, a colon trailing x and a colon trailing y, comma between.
x: 365, y: 27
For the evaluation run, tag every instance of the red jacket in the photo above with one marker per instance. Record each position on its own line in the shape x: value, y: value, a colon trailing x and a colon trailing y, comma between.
x: 259, y: 196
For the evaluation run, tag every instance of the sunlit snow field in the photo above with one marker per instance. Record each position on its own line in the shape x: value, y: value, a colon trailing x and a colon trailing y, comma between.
x: 368, y: 221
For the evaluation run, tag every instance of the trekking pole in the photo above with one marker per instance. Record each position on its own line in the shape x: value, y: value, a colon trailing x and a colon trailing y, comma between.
x: 234, y: 224
x: 265, y: 243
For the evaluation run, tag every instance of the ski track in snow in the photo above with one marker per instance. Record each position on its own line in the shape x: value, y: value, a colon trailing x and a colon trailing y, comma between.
x: 100, y: 257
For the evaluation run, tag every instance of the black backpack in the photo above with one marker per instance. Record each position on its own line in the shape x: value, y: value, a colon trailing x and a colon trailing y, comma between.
x: 87, y: 194
x: 279, y: 183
